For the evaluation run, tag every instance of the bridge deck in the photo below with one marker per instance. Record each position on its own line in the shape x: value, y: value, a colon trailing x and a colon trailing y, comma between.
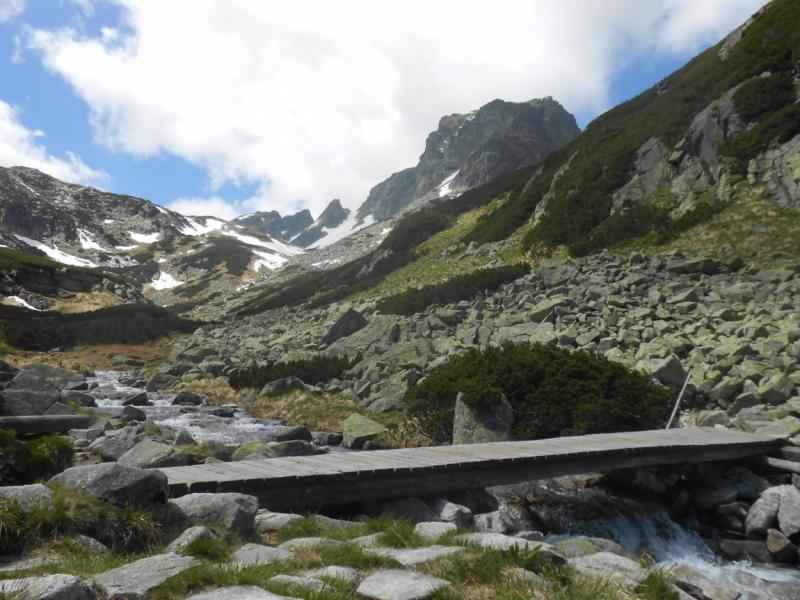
x: 341, y: 478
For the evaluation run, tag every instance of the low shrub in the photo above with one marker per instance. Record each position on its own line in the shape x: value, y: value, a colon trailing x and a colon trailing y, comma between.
x: 553, y: 391
x: 311, y: 371
x: 32, y: 460
x: 461, y: 287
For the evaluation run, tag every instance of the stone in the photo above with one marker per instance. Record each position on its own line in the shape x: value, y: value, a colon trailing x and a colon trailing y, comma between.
x: 396, y: 584
x: 668, y: 371
x: 189, y: 537
x: 281, y: 386
x: 117, y: 484
x: 432, y: 531
x: 136, y: 580
x: 90, y: 545
x: 184, y: 438
x: 346, y: 574
x: 78, y: 397
x: 750, y: 550
x: 785, y: 427
x: 763, y: 514
x: 134, y: 414
x: 29, y: 497
x: 188, y: 399
x: 709, y: 418
x: 776, y: 389
x: 161, y: 381
x: 137, y: 399
x: 310, y: 542
x: 358, y: 429
x: 610, y: 566
x: 697, y: 585
x: 412, y: 509
x: 116, y: 443
x: 789, y: 510
x: 49, y: 587
x: 232, y: 511
x: 781, y: 546
x: 236, y: 592
x: 409, y: 557
x: 475, y: 424
x: 258, y: 554
x: 267, y: 521
x: 293, y: 583
x: 450, y: 512
x: 581, y: 545
x: 348, y: 324
x: 498, y: 541
x: 151, y: 454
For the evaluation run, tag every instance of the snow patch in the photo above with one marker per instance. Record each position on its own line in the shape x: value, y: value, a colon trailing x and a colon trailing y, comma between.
x: 165, y: 281
x: 108, y: 221
x: 268, y: 260
x: 444, y: 187
x: 144, y: 238
x: 22, y: 303
x: 195, y: 228
x: 87, y: 243
x: 348, y: 226
x: 126, y: 248
x: 274, y: 245
x: 27, y: 187
x: 56, y: 254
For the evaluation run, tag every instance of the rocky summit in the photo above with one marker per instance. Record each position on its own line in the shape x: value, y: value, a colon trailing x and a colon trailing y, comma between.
x: 177, y: 391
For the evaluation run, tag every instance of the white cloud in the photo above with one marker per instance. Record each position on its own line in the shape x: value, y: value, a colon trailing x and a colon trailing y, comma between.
x: 10, y: 9
x: 214, y: 206
x: 317, y: 99
x: 22, y: 146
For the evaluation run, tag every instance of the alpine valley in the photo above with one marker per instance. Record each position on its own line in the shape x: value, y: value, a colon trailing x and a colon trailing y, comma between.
x: 525, y: 279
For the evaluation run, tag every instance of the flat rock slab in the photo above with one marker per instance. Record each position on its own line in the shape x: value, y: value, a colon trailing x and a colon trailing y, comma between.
x: 50, y: 587
x: 432, y: 531
x: 274, y: 521
x: 26, y: 564
x: 310, y: 542
x: 298, y: 584
x: 237, y: 592
x: 605, y: 565
x: 408, y: 557
x: 346, y: 574
x: 258, y: 554
x: 499, y: 541
x: 400, y: 585
x: 135, y: 580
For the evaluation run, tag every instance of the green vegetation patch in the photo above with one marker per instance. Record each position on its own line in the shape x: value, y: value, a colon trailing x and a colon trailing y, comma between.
x: 462, y: 287
x: 553, y: 391
x: 32, y: 460
x: 122, y: 324
x: 223, y: 250
x: 311, y: 371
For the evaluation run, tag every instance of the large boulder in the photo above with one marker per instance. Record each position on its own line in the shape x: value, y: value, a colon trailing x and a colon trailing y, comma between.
x: 152, y: 454
x: 137, y: 579
x: 114, y: 444
x: 30, y: 497
x: 49, y: 587
x: 610, y: 566
x: 117, y: 484
x: 763, y: 514
x: 475, y: 424
x: 346, y: 325
x: 188, y: 399
x: 231, y: 511
x: 358, y: 429
x: 789, y: 511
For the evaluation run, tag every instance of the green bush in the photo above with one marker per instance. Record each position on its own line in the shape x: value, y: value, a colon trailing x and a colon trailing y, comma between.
x: 32, y: 460
x: 311, y: 371
x: 764, y: 95
x: 458, y: 288
x: 553, y: 391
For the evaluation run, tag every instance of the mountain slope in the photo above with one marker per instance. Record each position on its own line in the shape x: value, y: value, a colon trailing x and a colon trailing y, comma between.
x: 469, y: 149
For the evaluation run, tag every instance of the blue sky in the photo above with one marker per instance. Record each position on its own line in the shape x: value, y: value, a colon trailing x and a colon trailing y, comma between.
x: 213, y: 106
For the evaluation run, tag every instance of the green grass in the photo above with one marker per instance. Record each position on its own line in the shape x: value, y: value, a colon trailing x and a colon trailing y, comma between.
x: 35, y: 459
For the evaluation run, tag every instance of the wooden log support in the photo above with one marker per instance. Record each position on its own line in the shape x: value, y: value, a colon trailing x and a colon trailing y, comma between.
x: 311, y: 482
x: 46, y: 424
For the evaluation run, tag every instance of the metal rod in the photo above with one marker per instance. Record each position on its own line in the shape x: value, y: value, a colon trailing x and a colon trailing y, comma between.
x: 678, y: 401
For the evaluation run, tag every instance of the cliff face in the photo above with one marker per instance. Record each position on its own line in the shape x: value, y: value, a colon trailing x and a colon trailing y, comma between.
x: 469, y: 149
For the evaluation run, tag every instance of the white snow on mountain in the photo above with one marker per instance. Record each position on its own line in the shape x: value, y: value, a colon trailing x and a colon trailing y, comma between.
x: 274, y: 245
x: 165, y: 281
x: 444, y: 187
x: 348, y: 226
x: 56, y: 254
x: 144, y: 238
x: 19, y: 301
x: 194, y: 228
x: 87, y: 243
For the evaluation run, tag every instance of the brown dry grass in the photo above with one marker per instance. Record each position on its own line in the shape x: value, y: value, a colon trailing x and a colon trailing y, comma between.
x: 218, y: 390
x: 85, y: 302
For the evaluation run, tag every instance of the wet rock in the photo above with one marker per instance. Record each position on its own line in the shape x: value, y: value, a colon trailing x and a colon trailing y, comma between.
x: 750, y: 550
x: 151, y: 454
x: 117, y: 484
x: 325, y: 438
x: 235, y: 512
x: 605, y: 565
x: 189, y: 399
x: 358, y: 429
x: 137, y: 399
x: 30, y: 497
x: 781, y: 547
x: 696, y: 584
x: 258, y: 554
x: 475, y: 424
x: 400, y: 585
x: 136, y: 580
x: 133, y: 414
x: 189, y: 537
x: 50, y: 587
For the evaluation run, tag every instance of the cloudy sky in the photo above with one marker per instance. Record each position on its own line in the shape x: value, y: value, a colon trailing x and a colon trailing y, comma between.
x: 226, y: 106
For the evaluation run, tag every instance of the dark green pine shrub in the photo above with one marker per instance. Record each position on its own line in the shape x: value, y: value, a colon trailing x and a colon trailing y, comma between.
x: 458, y: 288
x: 554, y: 392
x: 29, y: 461
x: 310, y: 371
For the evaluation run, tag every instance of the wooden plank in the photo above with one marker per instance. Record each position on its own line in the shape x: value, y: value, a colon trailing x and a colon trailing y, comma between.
x: 45, y: 424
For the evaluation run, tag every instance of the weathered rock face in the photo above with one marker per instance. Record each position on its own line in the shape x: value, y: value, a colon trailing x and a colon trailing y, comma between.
x: 332, y: 217
x: 236, y: 512
x: 152, y: 454
x: 117, y: 484
x: 36, y: 390
x: 467, y: 150
x: 272, y: 223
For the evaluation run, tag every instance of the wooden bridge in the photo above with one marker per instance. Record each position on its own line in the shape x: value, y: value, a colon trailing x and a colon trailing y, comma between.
x: 341, y: 478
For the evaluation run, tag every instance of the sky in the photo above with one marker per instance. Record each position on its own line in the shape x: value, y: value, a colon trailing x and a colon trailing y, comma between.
x: 223, y: 107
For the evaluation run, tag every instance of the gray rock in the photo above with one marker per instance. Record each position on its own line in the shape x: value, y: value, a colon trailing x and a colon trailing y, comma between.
x: 583, y: 546
x: 475, y: 424
x: 785, y: 427
x: 709, y: 418
x: 781, y: 546
x: 346, y: 574
x: 434, y: 530
x: 116, y: 443
x: 90, y: 545
x: 349, y: 323
x: 29, y: 497
x: 151, y: 454
x: 236, y: 592
x: 410, y: 557
x: 358, y: 429
x: 258, y: 554
x: 498, y: 541
x: 763, y: 514
x: 668, y: 371
x: 189, y: 537
x: 232, y: 511
x: 776, y: 389
x: 136, y: 580
x: 749, y: 550
x: 293, y: 583
x: 609, y: 566
x: 412, y: 509
x: 267, y: 521
x: 134, y: 414
x: 400, y: 585
x: 161, y: 381
x: 450, y: 512
x: 78, y: 397
x: 697, y: 585
x: 117, y: 484
x: 281, y: 386
x: 50, y: 587
x: 310, y: 542
x: 137, y: 399
x: 789, y: 510
x: 188, y: 399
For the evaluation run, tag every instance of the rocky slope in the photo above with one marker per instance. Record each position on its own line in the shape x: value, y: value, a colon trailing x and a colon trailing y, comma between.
x: 469, y: 149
